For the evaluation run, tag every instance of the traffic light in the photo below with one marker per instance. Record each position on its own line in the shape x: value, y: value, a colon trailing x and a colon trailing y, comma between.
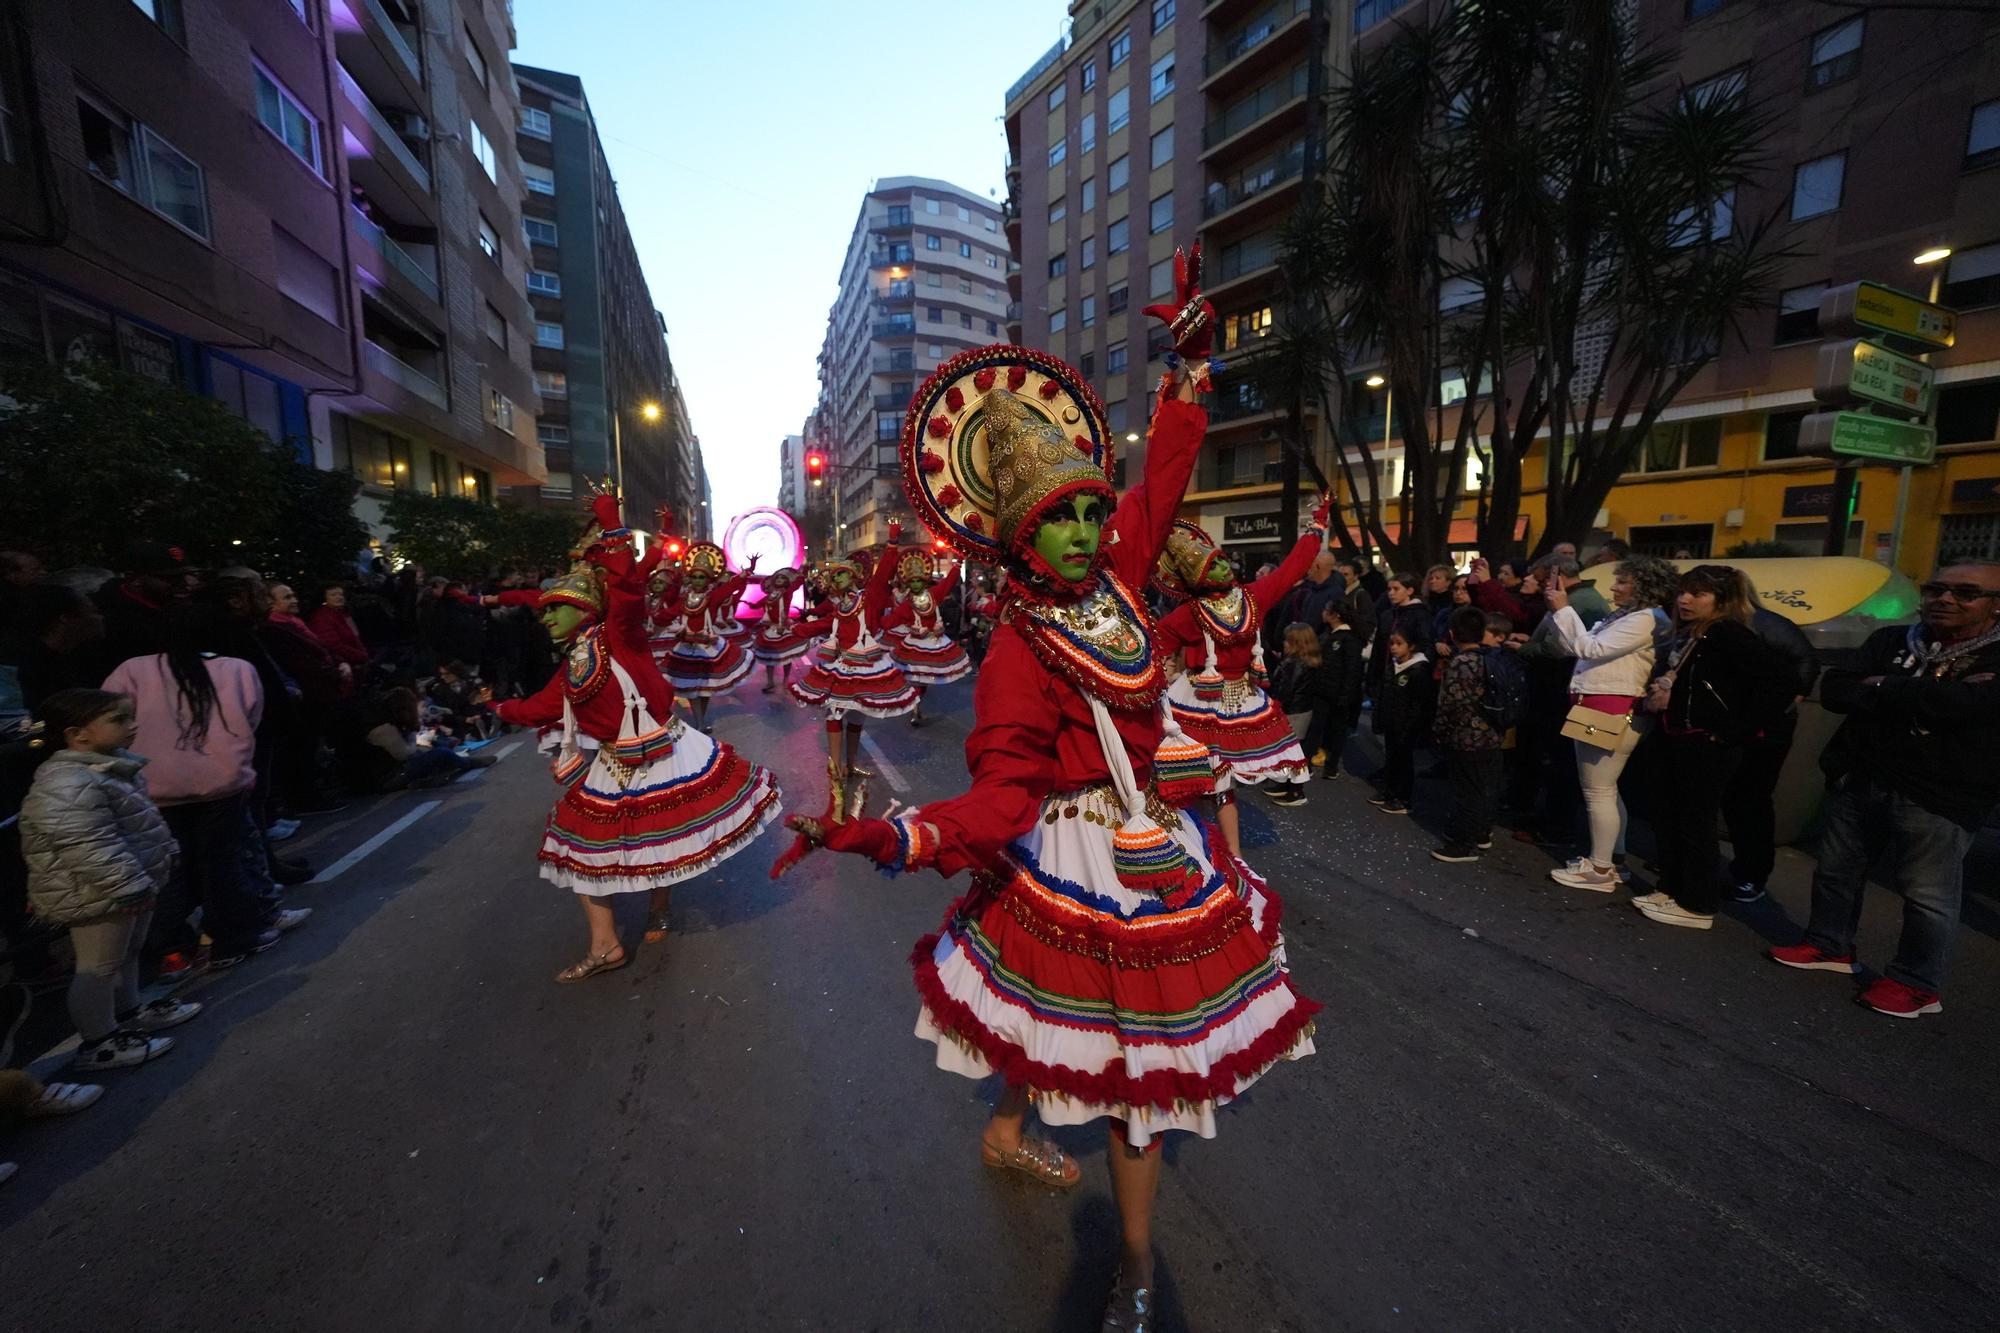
x: 938, y: 544
x: 674, y: 547
x: 816, y: 467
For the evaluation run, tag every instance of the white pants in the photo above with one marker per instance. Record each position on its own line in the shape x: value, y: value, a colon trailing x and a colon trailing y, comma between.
x: 1597, y: 771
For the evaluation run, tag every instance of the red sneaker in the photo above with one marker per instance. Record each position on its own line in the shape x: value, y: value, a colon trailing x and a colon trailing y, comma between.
x: 1899, y: 1001
x: 1810, y: 957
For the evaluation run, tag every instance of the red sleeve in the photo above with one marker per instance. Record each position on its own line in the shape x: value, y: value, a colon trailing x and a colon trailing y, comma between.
x: 625, y: 625
x: 519, y: 596
x: 1137, y: 533
x: 875, y: 597
x: 813, y: 624
x: 541, y: 709
x: 336, y: 632
x: 1286, y: 576
x: 1011, y: 755
x: 1176, y: 630
x: 946, y: 585
x: 899, y: 613
x: 1490, y: 596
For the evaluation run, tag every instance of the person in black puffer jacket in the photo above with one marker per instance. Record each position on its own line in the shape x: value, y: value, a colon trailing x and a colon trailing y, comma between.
x: 1341, y: 648
x: 1404, y: 704
x: 1748, y: 810
x: 1721, y: 690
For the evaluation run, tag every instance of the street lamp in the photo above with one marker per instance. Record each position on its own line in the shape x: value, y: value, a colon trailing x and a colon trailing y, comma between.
x: 1932, y: 259
x: 650, y: 411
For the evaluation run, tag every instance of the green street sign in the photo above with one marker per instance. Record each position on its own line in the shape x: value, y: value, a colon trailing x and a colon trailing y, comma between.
x: 1869, y: 307
x: 1858, y: 435
x: 1872, y: 373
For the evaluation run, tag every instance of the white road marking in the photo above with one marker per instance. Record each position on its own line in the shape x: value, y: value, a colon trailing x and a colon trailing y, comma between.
x: 507, y: 749
x: 374, y: 844
x: 882, y: 764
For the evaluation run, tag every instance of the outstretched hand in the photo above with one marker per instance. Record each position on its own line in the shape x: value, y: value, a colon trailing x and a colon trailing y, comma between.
x: 1190, y: 320
x: 1323, y: 511
x: 604, y: 509
x: 872, y: 838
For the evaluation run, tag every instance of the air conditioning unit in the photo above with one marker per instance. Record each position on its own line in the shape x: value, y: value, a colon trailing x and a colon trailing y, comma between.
x: 417, y: 127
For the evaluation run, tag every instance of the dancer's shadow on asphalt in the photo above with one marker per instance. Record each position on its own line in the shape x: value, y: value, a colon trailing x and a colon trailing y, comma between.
x: 1094, y: 1221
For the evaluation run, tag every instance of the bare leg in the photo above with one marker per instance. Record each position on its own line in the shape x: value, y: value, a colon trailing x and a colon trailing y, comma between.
x: 700, y: 705
x: 659, y: 907
x: 770, y: 677
x: 603, y: 926
x: 917, y: 715
x: 1225, y: 816
x: 853, y: 759
x: 1135, y: 1179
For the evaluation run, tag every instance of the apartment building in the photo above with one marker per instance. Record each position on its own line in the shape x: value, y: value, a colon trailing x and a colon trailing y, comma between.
x: 924, y: 278
x: 1152, y: 123
x: 297, y: 209
x: 600, y: 355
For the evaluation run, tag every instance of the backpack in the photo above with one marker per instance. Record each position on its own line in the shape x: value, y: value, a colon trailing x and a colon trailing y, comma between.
x: 1503, y: 698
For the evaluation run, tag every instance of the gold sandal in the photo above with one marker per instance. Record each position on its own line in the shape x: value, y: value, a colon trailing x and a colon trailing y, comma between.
x: 593, y: 964
x: 1039, y: 1158
x: 656, y: 926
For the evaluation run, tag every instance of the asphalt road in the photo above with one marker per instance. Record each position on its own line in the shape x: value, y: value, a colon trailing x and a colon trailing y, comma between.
x: 1530, y: 1110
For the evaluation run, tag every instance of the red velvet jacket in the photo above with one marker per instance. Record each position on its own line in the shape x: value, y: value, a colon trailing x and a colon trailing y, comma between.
x: 1180, y: 629
x: 1034, y: 735
x: 592, y: 691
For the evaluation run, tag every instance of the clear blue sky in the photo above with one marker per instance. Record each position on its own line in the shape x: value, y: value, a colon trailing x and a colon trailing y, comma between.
x: 743, y: 136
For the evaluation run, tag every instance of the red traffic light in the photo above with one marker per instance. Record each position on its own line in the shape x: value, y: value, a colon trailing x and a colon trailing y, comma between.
x: 815, y: 463
x: 938, y: 544
x: 674, y: 547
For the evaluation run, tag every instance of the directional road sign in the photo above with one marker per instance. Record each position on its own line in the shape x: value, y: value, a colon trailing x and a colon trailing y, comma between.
x: 1869, y: 307
x: 1871, y: 372
x: 1858, y: 435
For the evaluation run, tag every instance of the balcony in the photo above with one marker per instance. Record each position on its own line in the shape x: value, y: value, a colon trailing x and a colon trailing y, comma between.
x: 391, y: 367
x: 892, y: 257
x: 382, y: 163
x: 1254, y: 47
x: 417, y: 272
x: 1254, y: 118
x: 894, y: 328
x: 891, y: 402
x: 1225, y: 197
x: 1013, y: 315
x: 378, y: 48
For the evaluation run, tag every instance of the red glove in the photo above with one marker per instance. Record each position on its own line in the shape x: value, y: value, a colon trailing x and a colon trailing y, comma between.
x: 604, y: 509
x: 1324, y: 512
x: 895, y: 538
x: 873, y: 838
x: 1191, y: 319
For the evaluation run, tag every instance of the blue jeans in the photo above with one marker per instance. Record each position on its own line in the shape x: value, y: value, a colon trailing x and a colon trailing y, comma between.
x: 1930, y: 867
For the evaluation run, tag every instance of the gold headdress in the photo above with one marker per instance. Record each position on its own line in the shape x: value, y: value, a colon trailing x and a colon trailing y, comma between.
x: 1185, y: 559
x: 1034, y: 465
x: 706, y: 558
x: 582, y: 586
x: 913, y: 565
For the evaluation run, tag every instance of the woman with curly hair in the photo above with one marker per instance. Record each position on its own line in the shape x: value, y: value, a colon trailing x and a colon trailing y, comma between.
x: 1613, y: 664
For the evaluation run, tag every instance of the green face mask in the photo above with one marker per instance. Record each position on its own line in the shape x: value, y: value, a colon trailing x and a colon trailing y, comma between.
x: 1217, y: 574
x: 1067, y: 538
x: 562, y: 620
x: 841, y: 580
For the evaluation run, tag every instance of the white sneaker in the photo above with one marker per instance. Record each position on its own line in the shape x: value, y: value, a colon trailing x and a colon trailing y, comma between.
x: 1671, y: 913
x: 163, y: 1014
x: 1582, y: 873
x: 281, y: 829
x: 122, y: 1050
x: 1639, y: 899
x: 290, y: 919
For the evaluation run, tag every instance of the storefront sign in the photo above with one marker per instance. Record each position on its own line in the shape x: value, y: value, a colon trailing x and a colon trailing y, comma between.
x: 1976, y: 491
x: 147, y: 353
x: 1261, y: 527
x: 1810, y: 501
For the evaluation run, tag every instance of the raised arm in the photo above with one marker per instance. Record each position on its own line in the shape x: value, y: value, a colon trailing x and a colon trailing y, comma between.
x: 1138, y: 532
x: 947, y: 585
x: 1612, y: 638
x: 543, y: 708
x: 1274, y: 585
x: 875, y: 597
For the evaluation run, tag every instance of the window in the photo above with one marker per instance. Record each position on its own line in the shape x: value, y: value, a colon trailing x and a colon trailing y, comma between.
x: 552, y: 383
x: 1836, y: 55
x: 500, y: 410
x: 1087, y: 363
x: 1160, y: 214
x: 1160, y: 278
x: 992, y: 261
x: 130, y: 157
x: 482, y: 149
x: 1163, y: 13
x: 166, y: 13
x: 475, y: 60
x: 1162, y: 80
x: 992, y: 224
x: 1120, y: 175
x: 902, y: 360
x: 539, y: 231
x: 1798, y: 313
x: 992, y: 328
x: 1240, y: 330
x: 1086, y: 132
x: 933, y: 207
x: 1116, y: 299
x: 1693, y: 225
x: 965, y: 286
x: 552, y: 432
x: 1089, y: 255
x: 965, y: 249
x: 1118, y: 237
x: 1982, y: 138
x: 888, y: 428
x: 535, y: 123
x: 1088, y: 313
x: 285, y: 116
x: 1816, y: 186
x: 1972, y: 278
x: 495, y: 324
x: 1115, y: 359
x: 964, y: 319
x: 489, y: 239
x: 1702, y: 8
x: 899, y: 216
x: 1781, y: 434
x: 933, y: 279
x: 1056, y: 96
x: 539, y: 180
x: 306, y: 278
x: 1368, y: 13
x: 541, y: 282
x: 1726, y: 87
x: 1969, y: 413
x: 964, y: 213
x: 1058, y: 320
x: 1058, y: 211
x: 1163, y: 147
x: 1121, y: 110
x: 1121, y: 48
x: 934, y: 314
x: 1089, y: 194
x: 1089, y: 75
x: 1672, y: 446
x: 1058, y: 151
x: 1058, y: 265
x: 932, y: 242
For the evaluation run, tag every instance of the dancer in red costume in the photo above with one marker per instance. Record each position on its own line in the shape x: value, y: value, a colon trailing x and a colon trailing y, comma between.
x: 1219, y: 697
x: 1111, y: 958
x: 915, y: 629
x: 853, y: 673
x: 777, y: 642
x: 651, y: 800
x: 693, y: 645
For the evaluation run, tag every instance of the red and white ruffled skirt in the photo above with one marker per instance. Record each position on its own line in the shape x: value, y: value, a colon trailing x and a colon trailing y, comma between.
x: 863, y: 679
x: 1103, y: 1000
x: 774, y: 646
x: 930, y: 659
x: 700, y: 669
x: 1248, y: 733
